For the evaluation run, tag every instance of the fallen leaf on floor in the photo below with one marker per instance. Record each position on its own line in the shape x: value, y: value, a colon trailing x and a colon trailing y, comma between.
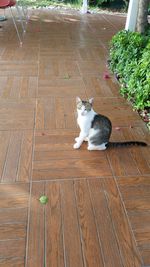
x: 117, y: 128
x: 67, y: 76
x: 43, y: 200
x: 106, y: 76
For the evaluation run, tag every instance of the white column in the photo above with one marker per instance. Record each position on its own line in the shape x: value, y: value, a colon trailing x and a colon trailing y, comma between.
x: 132, y: 15
x: 84, y: 8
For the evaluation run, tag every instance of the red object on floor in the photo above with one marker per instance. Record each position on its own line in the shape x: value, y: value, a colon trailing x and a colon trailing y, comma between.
x: 106, y: 75
x: 117, y: 128
x: 12, y: 3
x: 4, y: 3
x: 7, y: 3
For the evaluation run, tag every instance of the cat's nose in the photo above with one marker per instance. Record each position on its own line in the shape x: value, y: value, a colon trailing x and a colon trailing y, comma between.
x: 84, y: 112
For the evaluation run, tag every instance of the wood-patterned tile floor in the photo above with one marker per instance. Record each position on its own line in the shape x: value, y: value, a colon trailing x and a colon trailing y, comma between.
x: 98, y: 210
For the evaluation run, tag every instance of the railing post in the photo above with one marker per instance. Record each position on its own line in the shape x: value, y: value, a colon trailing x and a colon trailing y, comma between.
x: 132, y: 15
x: 84, y: 8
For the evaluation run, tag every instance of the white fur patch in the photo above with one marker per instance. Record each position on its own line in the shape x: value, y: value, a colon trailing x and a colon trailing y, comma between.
x: 92, y: 132
x: 84, y: 121
x: 100, y: 147
x: 76, y: 146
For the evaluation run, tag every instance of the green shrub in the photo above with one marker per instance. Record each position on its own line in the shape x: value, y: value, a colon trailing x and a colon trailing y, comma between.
x: 130, y: 60
x: 100, y: 2
x: 138, y: 87
x: 126, y: 49
x: 114, y: 4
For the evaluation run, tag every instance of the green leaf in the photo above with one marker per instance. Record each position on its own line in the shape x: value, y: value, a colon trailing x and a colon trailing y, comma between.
x: 43, y: 200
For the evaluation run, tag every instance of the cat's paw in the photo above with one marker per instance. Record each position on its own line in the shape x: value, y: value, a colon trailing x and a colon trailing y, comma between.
x: 77, y: 139
x: 89, y: 148
x: 76, y: 146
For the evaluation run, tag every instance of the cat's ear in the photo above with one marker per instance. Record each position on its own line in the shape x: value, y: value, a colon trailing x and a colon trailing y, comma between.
x: 78, y: 100
x: 91, y: 100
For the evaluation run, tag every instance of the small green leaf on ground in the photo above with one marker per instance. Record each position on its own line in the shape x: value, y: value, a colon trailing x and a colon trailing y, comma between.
x: 67, y: 76
x: 43, y: 200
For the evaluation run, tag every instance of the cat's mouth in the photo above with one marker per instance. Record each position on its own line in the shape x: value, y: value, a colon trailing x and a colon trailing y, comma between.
x: 83, y: 113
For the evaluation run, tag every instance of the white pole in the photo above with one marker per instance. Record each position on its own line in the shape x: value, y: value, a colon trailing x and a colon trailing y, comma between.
x: 132, y: 15
x: 84, y: 8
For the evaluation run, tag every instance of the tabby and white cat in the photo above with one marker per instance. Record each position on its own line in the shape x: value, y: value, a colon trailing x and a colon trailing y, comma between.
x: 95, y: 128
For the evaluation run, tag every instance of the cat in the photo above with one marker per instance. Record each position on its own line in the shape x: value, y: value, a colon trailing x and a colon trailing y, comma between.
x: 95, y: 128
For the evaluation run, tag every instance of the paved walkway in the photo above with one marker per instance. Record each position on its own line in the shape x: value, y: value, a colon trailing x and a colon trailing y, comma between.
x: 98, y: 210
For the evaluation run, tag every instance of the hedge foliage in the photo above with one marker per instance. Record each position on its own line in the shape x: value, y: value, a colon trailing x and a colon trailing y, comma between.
x: 93, y: 3
x: 130, y: 61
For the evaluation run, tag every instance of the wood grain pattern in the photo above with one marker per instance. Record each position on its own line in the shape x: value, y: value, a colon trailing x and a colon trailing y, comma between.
x: 12, y: 248
x: 79, y: 225
x: 60, y: 117
x: 71, y: 166
x: 11, y: 262
x: 16, y: 114
x: 86, y: 53
x: 54, y: 227
x: 98, y: 87
x: 135, y: 192
x: 4, y: 142
x: 67, y: 86
x: 121, y: 161
x: 24, y: 171
x: 130, y: 254
x: 142, y: 236
x: 12, y: 159
x: 112, y: 255
x: 134, y: 187
x: 16, y: 155
x: 28, y: 87
x: 90, y: 220
x: 13, y: 224
x: 71, y: 228
x: 118, y: 110
x: 58, y: 68
x: 14, y: 231
x: 12, y: 215
x: 145, y: 252
x: 129, y: 160
x: 35, y: 253
x: 18, y: 69
x: 141, y: 154
x: 15, y: 53
x: 90, y: 241
x: 18, y: 201
x: 90, y: 67
x: 18, y: 87
x: 55, y: 113
x: 139, y: 220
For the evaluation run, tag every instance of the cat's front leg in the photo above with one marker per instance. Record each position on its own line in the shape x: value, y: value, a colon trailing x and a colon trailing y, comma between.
x: 76, y: 139
x: 76, y: 146
x: 85, y: 139
x: 79, y: 140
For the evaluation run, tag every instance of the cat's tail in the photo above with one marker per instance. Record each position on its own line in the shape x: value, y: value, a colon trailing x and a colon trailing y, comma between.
x: 126, y: 144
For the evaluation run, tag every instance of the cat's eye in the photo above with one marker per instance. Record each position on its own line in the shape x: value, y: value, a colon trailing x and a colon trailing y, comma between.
x: 88, y: 106
x: 79, y: 105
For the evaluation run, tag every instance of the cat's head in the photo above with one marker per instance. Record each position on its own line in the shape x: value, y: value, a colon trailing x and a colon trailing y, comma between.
x: 84, y: 106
